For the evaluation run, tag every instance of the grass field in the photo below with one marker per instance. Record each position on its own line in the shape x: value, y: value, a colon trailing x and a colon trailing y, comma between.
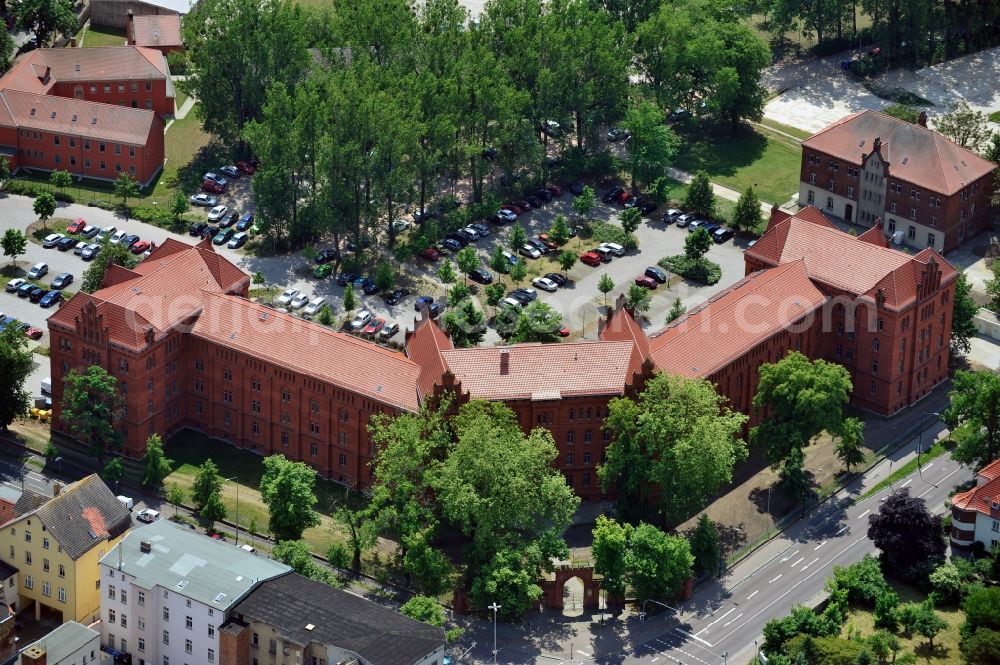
x: 945, y: 650
x: 186, y: 142
x: 788, y: 129
x: 995, y: 116
x: 102, y: 36
x: 768, y: 162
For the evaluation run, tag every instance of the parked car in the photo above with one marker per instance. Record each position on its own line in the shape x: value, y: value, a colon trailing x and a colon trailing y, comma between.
x: 369, y: 287
x: 246, y: 221
x: 389, y: 330
x: 452, y: 243
x: 129, y: 240
x: 326, y: 256
x: 90, y: 232
x: 615, y: 248
x: 62, y: 280
x: 422, y: 301
x: 684, y: 219
x: 431, y: 254
x: 513, y: 207
x: 314, y: 305
x: 347, y: 278
x: 657, y: 274
x: 32, y: 332
x: 481, y: 229
x: 209, y: 231
x: 52, y: 240
x: 618, y: 134
x: 396, y: 296
x: 400, y: 225
x: 38, y: 271
x: 246, y: 168
x: 229, y: 219
x: 542, y: 247
x: 722, y: 234
x: 321, y: 271
x: 481, y: 275
x: 25, y: 289
x: 467, y: 235
x: 217, y: 213
x: 90, y: 251
x: 563, y: 330
x: 13, y: 285
x: 222, y: 237
x: 504, y: 216
x: 203, y: 200
x: 238, y: 240
x: 299, y: 301
x: 646, y: 282
x: 623, y: 198
x: 545, y: 284
x: 360, y: 320
x: 590, y: 258
x: 141, y: 246
x: 51, y: 298
x: 66, y: 244
x: 555, y: 190
x: 612, y: 195
x: 374, y: 326
x: 76, y: 226
x: 421, y: 217
x: 196, y: 228
x: 711, y: 228
x: 529, y: 251
x: 695, y: 224
x: 106, y: 233
x: 211, y: 187
x: 511, y: 302
x: 671, y: 215
x: 230, y: 171
x: 216, y: 178
x: 287, y: 295
x: 79, y: 247
x: 524, y: 295
x: 557, y: 277
x: 36, y: 294
x: 511, y: 259
x: 646, y: 206
x: 544, y: 194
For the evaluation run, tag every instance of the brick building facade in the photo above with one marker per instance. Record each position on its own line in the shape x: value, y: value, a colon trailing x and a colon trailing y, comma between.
x: 921, y: 187
x: 189, y: 350
x: 94, y: 112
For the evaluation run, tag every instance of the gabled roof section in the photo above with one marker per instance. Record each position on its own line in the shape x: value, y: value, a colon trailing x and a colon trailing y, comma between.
x: 915, y: 154
x: 305, y: 611
x: 543, y: 371
x: 816, y: 216
x: 874, y: 235
x: 157, y: 31
x: 732, y: 322
x: 101, y: 63
x: 84, y: 514
x: 424, y: 346
x: 985, y: 495
x: 64, y: 115
x: 116, y: 274
x: 621, y: 326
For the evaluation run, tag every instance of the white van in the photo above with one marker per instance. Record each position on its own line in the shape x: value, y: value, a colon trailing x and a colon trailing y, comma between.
x: 248, y: 549
x: 47, y: 385
x: 126, y: 501
x: 148, y: 515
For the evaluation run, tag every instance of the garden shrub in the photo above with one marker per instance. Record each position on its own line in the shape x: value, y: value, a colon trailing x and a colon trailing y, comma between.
x: 702, y: 270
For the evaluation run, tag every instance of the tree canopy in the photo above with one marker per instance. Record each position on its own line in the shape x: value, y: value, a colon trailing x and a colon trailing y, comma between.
x: 975, y: 404
x: 15, y: 368
x: 91, y: 406
x: 905, y: 533
x: 287, y: 489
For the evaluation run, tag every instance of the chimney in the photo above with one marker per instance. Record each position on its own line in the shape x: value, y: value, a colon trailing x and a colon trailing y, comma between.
x: 34, y: 655
x: 877, y: 147
x: 922, y: 119
x: 145, y: 546
x: 504, y: 362
x: 56, y: 489
x: 130, y: 28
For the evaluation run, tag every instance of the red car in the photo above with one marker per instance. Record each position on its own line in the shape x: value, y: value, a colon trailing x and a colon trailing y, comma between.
x: 140, y: 246
x: 590, y: 258
x: 374, y: 327
x: 525, y: 206
x: 623, y: 198
x: 33, y: 333
x: 513, y: 207
x: 547, y: 241
x: 563, y: 331
x: 246, y: 167
x: 211, y: 186
x: 555, y: 190
x: 646, y: 281
x: 76, y: 226
x: 431, y: 254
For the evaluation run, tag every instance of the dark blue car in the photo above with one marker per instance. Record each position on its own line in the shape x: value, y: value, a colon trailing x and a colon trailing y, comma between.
x: 51, y: 298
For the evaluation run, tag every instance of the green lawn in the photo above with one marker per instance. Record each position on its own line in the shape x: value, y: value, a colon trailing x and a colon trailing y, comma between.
x: 180, y: 98
x: 788, y: 129
x: 188, y: 148
x: 768, y: 162
x: 189, y: 449
x: 995, y: 116
x: 103, y: 36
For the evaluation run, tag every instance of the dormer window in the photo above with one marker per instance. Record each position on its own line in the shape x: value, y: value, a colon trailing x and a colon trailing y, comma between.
x: 53, y: 115
x: 995, y: 505
x: 77, y: 67
x: 32, y: 111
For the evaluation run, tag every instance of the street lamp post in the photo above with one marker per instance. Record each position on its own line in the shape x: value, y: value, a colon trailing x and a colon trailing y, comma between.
x: 235, y: 479
x: 495, y: 607
x: 920, y: 439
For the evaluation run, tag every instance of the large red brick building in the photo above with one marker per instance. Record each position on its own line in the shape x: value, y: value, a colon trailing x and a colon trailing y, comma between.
x: 189, y: 350
x: 95, y: 112
x: 925, y: 190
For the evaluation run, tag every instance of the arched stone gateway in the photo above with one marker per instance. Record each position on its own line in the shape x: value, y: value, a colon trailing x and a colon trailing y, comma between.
x: 553, y: 588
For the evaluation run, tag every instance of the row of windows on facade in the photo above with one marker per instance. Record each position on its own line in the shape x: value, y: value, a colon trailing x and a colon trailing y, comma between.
x: 286, y: 393
x: 273, y: 649
x: 122, y: 645
x: 57, y: 140
x: 57, y: 159
x: 586, y: 457
x: 29, y: 583
x: 584, y: 480
x: 133, y: 86
x: 141, y: 621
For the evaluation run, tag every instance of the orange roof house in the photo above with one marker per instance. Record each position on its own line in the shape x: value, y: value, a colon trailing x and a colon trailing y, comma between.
x: 975, y: 514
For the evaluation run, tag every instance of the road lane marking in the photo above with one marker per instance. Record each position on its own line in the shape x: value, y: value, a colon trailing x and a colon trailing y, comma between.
x: 862, y: 515
x: 939, y: 482
x: 787, y: 591
x: 726, y: 625
x: 655, y: 659
x: 927, y: 466
x: 583, y: 653
x: 841, y: 531
x: 819, y: 546
x: 906, y: 483
x: 684, y: 632
x: 753, y: 594
x: 775, y: 579
x: 790, y: 556
x: 731, y: 610
x: 809, y: 564
x: 801, y: 559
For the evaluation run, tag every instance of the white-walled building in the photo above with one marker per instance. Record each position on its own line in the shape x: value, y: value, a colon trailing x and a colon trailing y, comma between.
x: 71, y: 643
x: 975, y: 514
x: 166, y: 590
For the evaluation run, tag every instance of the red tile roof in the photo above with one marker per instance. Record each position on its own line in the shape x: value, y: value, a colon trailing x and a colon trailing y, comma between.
x: 982, y: 497
x: 311, y: 349
x: 424, y: 346
x: 622, y: 327
x: 730, y: 323
x: 63, y: 115
x: 845, y: 262
x: 915, y: 154
x: 104, y: 63
x: 157, y: 31
x: 543, y: 371
x: 875, y: 235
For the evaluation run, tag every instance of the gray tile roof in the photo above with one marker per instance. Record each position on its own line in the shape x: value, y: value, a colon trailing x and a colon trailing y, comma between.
x: 84, y: 514
x: 64, y: 640
x: 191, y: 564
x: 377, y: 634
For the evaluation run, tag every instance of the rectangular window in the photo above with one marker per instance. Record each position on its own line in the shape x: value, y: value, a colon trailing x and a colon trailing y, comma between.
x: 118, y: 148
x: 188, y: 623
x: 46, y: 589
x: 102, y: 165
x: 101, y: 147
x: 141, y: 623
x: 931, y: 239
x: 166, y: 613
x: 107, y: 87
x: 343, y: 459
x: 131, y: 151
x: 111, y: 616
x: 149, y: 86
x: 211, y: 630
x: 872, y: 388
x: 141, y: 644
x: 211, y: 655
x: 188, y: 646
x: 829, y: 203
x: 62, y: 594
x: 911, y: 232
x: 811, y: 197
x: 166, y: 637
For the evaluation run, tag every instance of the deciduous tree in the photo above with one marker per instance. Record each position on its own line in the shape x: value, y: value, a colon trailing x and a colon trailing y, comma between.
x: 567, y: 259
x: 155, y: 465
x: 517, y: 237
x: 296, y: 554
x: 14, y: 244
x: 559, y: 233
x: 657, y: 564
x: 15, y: 367
x: 975, y: 405
x: 91, y: 406
x: 637, y: 299
x: 631, y: 218
x: 179, y: 206
x: 929, y: 623
x: 605, y: 285
x: 700, y: 197
x: 93, y: 276
x: 385, y: 275
x: 126, y: 188
x: 362, y: 532
x: 850, y: 440
x: 965, y: 126
x: 176, y: 496
x: 60, y: 179
x: 677, y: 310
x: 46, y: 18
x: 697, y: 244
x: 44, y: 206
x: 905, y: 533
x: 113, y: 471
x: 585, y: 202
x: 981, y: 647
x: 424, y: 609
x: 964, y: 309
x: 465, y: 323
x: 287, y: 488
x: 677, y: 436
x: 610, y: 551
x: 653, y: 144
x: 446, y: 272
x: 207, y: 485
x: 467, y: 261
x: 748, y: 217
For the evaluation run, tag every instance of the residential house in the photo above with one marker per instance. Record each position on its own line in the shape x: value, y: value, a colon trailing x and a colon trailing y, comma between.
x: 56, y: 548
x: 114, y: 13
x: 166, y: 590
x: 975, y: 514
x: 69, y: 644
x: 162, y: 32
x: 294, y: 620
